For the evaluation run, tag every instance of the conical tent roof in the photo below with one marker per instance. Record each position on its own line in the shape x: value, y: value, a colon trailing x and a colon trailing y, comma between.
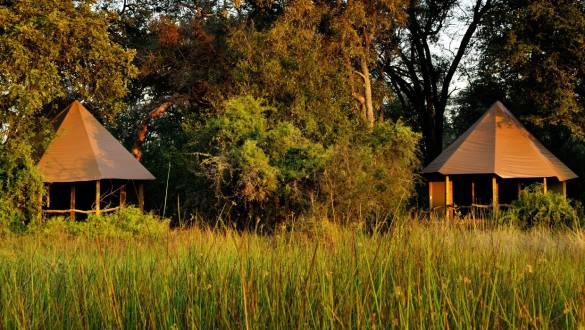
x: 499, y: 144
x: 83, y: 150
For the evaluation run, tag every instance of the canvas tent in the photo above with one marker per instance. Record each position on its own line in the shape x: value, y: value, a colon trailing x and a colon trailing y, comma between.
x: 496, y: 153
x: 85, y: 155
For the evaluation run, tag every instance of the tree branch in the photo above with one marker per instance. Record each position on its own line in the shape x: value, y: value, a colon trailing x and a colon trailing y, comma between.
x: 144, y: 123
x: 478, y: 13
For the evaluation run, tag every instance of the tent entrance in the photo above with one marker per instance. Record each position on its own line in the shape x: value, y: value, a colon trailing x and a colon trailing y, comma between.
x: 480, y: 194
x: 79, y: 199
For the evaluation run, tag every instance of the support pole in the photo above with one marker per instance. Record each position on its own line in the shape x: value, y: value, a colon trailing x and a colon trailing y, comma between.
x: 565, y: 189
x: 473, y: 199
x: 49, y: 196
x: 544, y: 186
x: 98, y: 192
x: 40, y: 201
x: 141, y: 196
x: 72, y: 202
x: 123, y: 195
x: 430, y: 196
x: 448, y: 197
x: 495, y: 195
x: 519, y: 188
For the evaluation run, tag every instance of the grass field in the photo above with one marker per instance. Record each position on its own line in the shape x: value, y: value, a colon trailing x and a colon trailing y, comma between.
x: 415, y: 276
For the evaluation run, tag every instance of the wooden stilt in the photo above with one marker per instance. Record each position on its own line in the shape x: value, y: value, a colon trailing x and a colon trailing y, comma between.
x: 544, y: 186
x: 473, y: 199
x: 565, y: 189
x: 430, y: 196
x: 40, y: 201
x: 98, y: 197
x: 141, y: 196
x: 48, y: 195
x: 72, y: 202
x: 495, y: 196
x: 123, y: 195
x: 448, y: 197
x: 472, y: 192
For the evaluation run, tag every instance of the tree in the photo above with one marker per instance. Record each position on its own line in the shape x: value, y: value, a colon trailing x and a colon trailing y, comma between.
x: 51, y: 51
x: 293, y: 67
x: 532, y: 57
x: 536, y: 50
x: 180, y: 56
x: 420, y: 75
x: 54, y: 50
x: 332, y: 43
x: 357, y: 28
x: 309, y: 66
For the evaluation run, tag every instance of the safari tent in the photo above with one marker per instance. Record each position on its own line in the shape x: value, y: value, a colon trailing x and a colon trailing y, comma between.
x: 85, y: 168
x: 490, y: 163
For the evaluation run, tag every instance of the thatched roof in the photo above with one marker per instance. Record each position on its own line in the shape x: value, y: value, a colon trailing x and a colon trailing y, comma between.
x: 499, y: 144
x: 83, y: 150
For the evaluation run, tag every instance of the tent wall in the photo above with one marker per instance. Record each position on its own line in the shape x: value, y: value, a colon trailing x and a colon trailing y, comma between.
x: 468, y: 192
x: 437, y: 194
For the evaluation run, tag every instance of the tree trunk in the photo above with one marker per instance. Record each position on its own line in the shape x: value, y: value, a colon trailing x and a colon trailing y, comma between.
x: 143, y: 128
x: 433, y: 134
x: 370, y: 117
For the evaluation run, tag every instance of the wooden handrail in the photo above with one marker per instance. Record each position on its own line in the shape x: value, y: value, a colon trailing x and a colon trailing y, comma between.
x: 79, y: 211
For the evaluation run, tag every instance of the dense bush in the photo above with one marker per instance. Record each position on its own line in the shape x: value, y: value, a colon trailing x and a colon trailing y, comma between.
x: 20, y: 186
x: 267, y: 170
x: 125, y: 223
x: 535, y: 208
x: 262, y: 168
x: 372, y: 176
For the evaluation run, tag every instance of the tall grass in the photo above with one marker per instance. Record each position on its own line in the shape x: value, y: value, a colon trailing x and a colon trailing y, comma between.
x: 412, y: 277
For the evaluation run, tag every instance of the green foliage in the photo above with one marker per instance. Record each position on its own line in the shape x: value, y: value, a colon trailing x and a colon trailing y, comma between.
x: 532, y: 57
x: 55, y: 49
x: 534, y: 51
x: 430, y: 277
x: 20, y: 186
x: 292, y: 66
x: 256, y: 163
x: 371, y: 177
x: 51, y: 51
x: 125, y: 223
x: 266, y: 168
x: 534, y: 208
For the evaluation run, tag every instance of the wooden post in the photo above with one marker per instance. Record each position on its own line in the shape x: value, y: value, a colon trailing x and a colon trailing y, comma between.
x: 495, y: 195
x: 72, y: 202
x: 473, y: 199
x: 544, y: 186
x: 141, y: 196
x: 448, y: 197
x: 49, y: 196
x: 430, y: 196
x: 40, y: 201
x: 98, y: 197
x: 565, y: 189
x: 123, y: 195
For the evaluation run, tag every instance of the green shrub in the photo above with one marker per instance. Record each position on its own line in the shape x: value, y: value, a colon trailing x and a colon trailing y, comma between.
x: 125, y: 223
x: 20, y: 185
x: 268, y: 170
x: 371, y: 177
x: 260, y: 167
x: 534, y: 208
